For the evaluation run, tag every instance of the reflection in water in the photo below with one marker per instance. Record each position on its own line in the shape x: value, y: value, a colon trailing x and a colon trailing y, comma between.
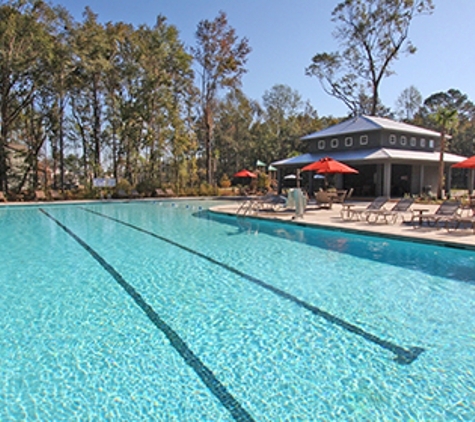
x: 435, y: 260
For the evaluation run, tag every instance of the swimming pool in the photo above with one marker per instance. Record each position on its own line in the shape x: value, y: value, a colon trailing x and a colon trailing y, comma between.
x: 164, y: 311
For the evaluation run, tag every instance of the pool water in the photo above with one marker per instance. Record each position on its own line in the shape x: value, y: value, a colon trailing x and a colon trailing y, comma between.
x: 165, y: 311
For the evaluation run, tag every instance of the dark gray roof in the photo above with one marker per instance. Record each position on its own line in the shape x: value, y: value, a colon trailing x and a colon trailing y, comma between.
x: 369, y: 124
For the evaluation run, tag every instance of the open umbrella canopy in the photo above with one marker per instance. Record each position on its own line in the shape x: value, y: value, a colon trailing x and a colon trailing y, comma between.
x: 469, y: 163
x: 259, y: 163
x: 329, y: 165
x: 291, y: 177
x: 245, y: 173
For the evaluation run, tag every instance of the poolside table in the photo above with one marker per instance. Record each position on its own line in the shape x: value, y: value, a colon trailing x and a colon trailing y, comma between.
x: 420, y: 212
x: 346, y: 211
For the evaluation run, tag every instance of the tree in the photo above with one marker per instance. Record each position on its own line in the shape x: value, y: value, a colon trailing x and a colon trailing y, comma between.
x: 235, y: 117
x: 92, y: 53
x: 282, y: 105
x: 372, y: 33
x: 221, y: 57
x: 453, y: 99
x: 446, y: 119
x: 408, y: 103
x: 25, y: 47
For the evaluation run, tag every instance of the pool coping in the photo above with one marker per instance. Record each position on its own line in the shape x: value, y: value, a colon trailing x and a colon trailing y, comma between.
x: 353, y: 230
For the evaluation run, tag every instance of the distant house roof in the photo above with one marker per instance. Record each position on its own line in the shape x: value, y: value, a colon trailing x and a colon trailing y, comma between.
x: 17, y: 147
x: 368, y: 124
x: 368, y: 155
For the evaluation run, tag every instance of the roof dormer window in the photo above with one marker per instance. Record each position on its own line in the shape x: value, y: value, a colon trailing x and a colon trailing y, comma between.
x: 364, y: 140
x: 334, y: 143
x: 321, y: 144
x: 349, y: 141
x: 392, y: 139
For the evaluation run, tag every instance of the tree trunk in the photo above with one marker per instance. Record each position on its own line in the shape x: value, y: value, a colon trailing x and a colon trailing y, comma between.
x: 61, y: 138
x: 3, y: 152
x: 96, y: 128
x: 440, y: 184
x: 209, y: 144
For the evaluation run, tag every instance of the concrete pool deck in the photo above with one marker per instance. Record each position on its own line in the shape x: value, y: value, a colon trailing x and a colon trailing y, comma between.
x: 331, y: 219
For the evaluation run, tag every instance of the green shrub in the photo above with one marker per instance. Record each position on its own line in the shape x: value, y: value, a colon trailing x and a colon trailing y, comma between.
x: 122, y: 185
x: 225, y: 182
x: 147, y: 187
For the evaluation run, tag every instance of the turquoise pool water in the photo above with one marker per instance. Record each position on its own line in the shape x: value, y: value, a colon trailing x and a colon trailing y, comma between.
x: 163, y: 311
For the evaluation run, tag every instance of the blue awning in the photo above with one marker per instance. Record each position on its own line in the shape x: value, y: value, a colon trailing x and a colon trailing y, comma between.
x: 372, y: 156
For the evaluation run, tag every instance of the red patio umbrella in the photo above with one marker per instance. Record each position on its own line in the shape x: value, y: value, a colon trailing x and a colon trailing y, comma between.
x: 469, y: 163
x: 329, y: 165
x: 245, y: 173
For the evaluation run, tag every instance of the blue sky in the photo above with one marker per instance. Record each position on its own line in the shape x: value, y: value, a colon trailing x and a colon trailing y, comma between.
x: 285, y: 34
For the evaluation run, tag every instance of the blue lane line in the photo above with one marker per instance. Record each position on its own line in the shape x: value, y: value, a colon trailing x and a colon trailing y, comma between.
x: 206, y: 375
x: 403, y: 356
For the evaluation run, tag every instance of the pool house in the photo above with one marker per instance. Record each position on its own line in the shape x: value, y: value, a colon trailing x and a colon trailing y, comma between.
x: 393, y: 158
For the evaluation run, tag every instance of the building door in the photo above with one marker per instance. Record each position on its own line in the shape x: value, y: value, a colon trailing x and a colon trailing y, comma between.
x: 400, y: 180
x: 364, y: 183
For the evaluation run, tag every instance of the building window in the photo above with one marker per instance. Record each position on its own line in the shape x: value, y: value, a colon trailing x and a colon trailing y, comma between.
x: 431, y: 143
x: 364, y: 140
x: 423, y: 142
x: 349, y: 141
x: 403, y: 140
x: 413, y: 141
x: 334, y: 143
x: 321, y: 144
x: 392, y: 139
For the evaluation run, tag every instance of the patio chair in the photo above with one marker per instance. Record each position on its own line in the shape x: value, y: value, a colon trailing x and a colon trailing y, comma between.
x: 324, y: 200
x: 359, y: 213
x: 122, y: 194
x: 40, y: 195
x: 348, y: 195
x: 270, y: 202
x: 447, y: 212
x: 339, y: 196
x: 459, y: 221
x: 401, y: 208
x: 169, y: 192
x: 55, y: 195
x: 159, y: 192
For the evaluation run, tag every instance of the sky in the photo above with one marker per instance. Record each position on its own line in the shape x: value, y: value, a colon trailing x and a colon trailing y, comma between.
x: 285, y: 34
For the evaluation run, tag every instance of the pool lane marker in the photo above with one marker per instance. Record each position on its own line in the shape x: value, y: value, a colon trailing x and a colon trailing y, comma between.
x: 206, y: 375
x: 403, y: 356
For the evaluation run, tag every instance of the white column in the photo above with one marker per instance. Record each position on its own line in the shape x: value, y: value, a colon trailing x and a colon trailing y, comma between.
x: 470, y: 181
x: 387, y: 179
x: 421, y: 180
x: 448, y: 184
